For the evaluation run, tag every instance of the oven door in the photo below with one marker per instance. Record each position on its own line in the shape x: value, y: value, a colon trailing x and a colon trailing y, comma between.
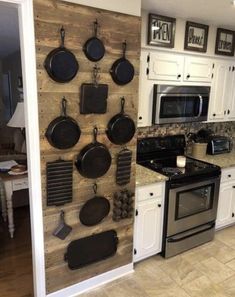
x: 192, y: 205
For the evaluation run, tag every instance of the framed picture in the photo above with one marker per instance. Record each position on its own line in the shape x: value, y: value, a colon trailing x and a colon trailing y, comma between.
x: 161, y: 30
x: 196, y: 36
x: 224, y: 42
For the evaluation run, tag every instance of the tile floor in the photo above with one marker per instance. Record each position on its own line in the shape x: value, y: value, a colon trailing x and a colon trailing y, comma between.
x: 208, y: 270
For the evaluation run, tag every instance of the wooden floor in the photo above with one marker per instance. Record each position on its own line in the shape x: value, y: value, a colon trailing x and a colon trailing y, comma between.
x: 206, y: 271
x: 15, y: 258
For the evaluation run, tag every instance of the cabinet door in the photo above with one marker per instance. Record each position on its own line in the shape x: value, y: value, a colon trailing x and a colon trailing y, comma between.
x: 165, y: 67
x: 145, y: 94
x: 219, y: 91
x: 225, y: 206
x: 198, y: 69
x: 230, y: 108
x: 148, y: 229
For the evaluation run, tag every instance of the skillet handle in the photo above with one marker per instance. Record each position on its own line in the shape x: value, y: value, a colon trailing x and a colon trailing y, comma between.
x: 124, y: 49
x: 64, y: 107
x: 95, y: 133
x: 95, y: 188
x: 62, y: 36
x: 122, y: 104
x: 96, y: 25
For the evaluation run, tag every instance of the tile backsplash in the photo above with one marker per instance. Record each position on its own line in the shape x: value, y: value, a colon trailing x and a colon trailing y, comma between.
x: 222, y: 128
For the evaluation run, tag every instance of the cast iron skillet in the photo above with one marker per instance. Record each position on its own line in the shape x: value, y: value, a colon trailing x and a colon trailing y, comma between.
x: 122, y: 71
x: 63, y: 132
x: 61, y: 64
x: 121, y: 128
x: 94, y: 210
x: 94, y: 159
x: 94, y: 48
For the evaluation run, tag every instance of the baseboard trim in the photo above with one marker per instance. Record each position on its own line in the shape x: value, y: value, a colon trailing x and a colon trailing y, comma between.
x: 93, y: 282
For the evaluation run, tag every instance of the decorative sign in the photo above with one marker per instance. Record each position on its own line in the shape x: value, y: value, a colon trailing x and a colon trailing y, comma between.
x: 161, y: 31
x: 196, y: 36
x: 224, y: 42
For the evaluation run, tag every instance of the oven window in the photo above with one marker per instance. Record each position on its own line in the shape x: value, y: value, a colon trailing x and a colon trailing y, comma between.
x: 176, y: 107
x: 194, y: 201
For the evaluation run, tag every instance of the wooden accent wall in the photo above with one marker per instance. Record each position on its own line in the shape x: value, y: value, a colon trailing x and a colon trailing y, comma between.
x: 115, y: 28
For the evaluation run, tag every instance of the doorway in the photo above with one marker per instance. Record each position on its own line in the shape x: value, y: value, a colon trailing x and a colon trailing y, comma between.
x: 15, y: 232
x: 26, y: 88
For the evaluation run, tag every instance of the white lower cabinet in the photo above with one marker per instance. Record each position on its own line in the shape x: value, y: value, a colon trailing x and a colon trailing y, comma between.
x: 226, y: 205
x: 148, y: 220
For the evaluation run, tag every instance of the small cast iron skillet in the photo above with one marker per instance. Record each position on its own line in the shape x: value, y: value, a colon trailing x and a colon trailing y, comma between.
x: 63, y: 132
x: 94, y: 48
x: 61, y: 64
x: 122, y: 71
x: 94, y: 210
x: 121, y: 128
x: 94, y: 159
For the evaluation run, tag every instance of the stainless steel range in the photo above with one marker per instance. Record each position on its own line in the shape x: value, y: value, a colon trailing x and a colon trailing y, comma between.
x: 191, y: 193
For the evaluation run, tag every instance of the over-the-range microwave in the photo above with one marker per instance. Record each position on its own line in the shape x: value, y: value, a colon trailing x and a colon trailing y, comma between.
x: 180, y: 104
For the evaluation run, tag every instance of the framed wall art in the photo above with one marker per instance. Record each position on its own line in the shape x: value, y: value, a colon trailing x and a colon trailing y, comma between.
x: 161, y: 30
x: 224, y: 42
x: 196, y: 36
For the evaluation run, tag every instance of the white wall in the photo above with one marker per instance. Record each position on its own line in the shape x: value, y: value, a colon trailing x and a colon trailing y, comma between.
x: 132, y: 7
x: 179, y: 36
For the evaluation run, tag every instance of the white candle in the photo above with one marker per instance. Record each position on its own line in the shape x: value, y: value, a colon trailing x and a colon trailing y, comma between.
x: 181, y: 161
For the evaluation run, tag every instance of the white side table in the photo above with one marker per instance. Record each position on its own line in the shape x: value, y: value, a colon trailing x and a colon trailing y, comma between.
x: 11, y: 184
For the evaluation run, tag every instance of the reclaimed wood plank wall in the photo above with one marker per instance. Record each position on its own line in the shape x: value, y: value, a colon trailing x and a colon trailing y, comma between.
x: 78, y: 21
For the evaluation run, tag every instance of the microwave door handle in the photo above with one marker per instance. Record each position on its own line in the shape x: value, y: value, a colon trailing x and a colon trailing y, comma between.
x: 200, y: 106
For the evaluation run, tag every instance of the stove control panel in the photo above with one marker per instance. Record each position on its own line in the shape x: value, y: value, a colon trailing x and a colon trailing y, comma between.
x: 159, y: 144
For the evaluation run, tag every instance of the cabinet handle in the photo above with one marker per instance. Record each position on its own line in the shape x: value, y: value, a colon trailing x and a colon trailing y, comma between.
x: 233, y: 215
x: 233, y: 187
x: 159, y: 205
x: 229, y: 175
x: 151, y: 194
x: 188, y: 76
x: 179, y: 76
x: 140, y: 118
x: 136, y: 212
x: 228, y: 111
x: 233, y: 68
x: 225, y: 112
x: 214, y: 114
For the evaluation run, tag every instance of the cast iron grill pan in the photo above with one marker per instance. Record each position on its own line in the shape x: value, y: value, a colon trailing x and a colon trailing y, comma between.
x: 59, y: 182
x: 93, y: 98
x: 91, y: 249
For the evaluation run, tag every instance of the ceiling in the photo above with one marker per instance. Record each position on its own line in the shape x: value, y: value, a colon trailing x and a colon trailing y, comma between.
x: 218, y: 12
x: 9, y: 30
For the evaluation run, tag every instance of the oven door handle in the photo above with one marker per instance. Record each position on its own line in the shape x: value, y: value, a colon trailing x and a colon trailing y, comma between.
x: 200, y: 106
x: 171, y: 240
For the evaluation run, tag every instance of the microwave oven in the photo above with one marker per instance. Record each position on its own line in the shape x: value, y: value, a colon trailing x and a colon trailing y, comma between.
x: 180, y: 104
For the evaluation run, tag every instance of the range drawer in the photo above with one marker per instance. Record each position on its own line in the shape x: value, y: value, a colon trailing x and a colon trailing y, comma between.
x: 228, y: 174
x: 20, y: 184
x: 150, y: 191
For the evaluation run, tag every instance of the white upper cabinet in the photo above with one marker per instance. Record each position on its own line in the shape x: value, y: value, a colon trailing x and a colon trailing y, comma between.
x: 230, y: 112
x: 165, y: 67
x: 198, y: 69
x: 219, y: 89
x: 177, y: 68
x: 222, y: 99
